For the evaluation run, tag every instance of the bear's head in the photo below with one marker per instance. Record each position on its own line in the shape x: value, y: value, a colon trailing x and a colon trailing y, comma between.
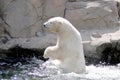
x: 54, y: 24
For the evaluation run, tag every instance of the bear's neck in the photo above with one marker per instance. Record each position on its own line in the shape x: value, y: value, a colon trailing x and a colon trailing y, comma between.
x: 66, y: 36
x: 61, y: 41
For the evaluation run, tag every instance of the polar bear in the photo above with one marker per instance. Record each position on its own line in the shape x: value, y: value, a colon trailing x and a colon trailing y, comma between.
x: 68, y: 51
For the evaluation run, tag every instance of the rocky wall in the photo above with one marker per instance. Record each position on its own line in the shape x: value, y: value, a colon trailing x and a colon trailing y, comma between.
x: 24, y: 18
x: 21, y: 22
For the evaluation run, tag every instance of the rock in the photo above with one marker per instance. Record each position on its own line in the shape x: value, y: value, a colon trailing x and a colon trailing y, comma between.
x: 109, y: 52
x: 4, y: 33
x: 92, y: 15
x: 1, y: 28
x: 72, y: 0
x: 104, y: 48
x: 30, y: 43
x: 21, y: 16
x: 25, y: 18
x: 96, y: 35
x: 97, y: 20
x: 118, y: 6
x: 54, y: 8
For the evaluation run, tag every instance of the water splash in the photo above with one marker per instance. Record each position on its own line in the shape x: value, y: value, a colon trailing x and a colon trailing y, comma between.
x: 38, y: 70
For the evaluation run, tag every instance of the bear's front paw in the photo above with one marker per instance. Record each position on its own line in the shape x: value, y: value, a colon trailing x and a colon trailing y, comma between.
x: 45, y: 56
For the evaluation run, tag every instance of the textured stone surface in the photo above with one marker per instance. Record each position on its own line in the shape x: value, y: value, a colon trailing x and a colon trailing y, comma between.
x: 92, y: 15
x: 21, y: 16
x: 54, y: 8
x: 118, y: 6
x: 97, y: 47
x: 1, y: 28
x: 25, y: 17
x: 34, y: 42
x: 22, y: 20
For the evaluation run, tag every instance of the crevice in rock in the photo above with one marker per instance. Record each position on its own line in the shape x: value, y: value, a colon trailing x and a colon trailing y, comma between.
x: 2, y: 15
x: 65, y: 9
x: 118, y: 5
x: 71, y: 0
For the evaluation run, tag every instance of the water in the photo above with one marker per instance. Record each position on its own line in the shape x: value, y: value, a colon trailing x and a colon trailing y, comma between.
x: 38, y: 70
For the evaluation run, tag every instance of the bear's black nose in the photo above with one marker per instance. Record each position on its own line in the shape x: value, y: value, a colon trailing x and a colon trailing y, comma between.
x: 43, y: 25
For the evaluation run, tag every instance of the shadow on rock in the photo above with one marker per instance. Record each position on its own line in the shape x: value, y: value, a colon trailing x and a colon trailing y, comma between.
x: 19, y: 54
x: 110, y: 53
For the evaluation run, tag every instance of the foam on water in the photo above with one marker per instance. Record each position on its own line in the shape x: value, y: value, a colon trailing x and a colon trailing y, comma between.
x: 38, y: 70
x: 51, y: 72
x: 103, y: 72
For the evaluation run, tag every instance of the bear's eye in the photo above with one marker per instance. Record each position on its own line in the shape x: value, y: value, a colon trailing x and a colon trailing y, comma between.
x: 50, y: 22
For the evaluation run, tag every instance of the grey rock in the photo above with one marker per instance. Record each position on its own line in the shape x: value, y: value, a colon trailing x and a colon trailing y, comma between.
x: 97, y: 20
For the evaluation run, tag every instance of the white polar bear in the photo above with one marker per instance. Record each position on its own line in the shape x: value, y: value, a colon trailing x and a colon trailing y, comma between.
x: 68, y: 52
